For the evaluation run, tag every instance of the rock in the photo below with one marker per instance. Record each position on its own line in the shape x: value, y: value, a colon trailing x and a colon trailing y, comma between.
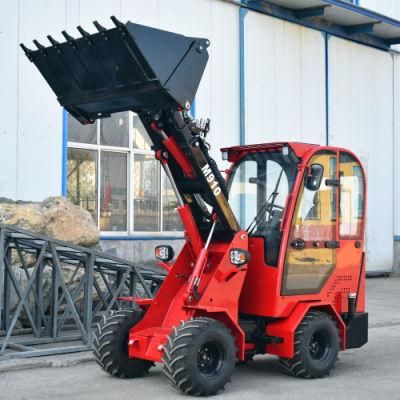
x: 56, y: 217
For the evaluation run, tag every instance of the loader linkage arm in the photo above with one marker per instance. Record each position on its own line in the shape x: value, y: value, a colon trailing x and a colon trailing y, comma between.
x: 155, y: 74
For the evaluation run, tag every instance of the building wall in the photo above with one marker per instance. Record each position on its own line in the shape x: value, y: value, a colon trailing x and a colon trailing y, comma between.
x: 385, y: 7
x: 392, y: 8
x: 284, y: 80
x: 30, y: 117
x: 286, y: 74
x: 142, y: 252
x: 361, y: 118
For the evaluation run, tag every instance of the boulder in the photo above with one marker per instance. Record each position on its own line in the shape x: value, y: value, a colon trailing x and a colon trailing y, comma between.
x: 56, y: 217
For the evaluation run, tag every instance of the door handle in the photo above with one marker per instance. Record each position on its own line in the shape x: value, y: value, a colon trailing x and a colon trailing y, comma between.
x: 298, y: 244
x: 332, y: 244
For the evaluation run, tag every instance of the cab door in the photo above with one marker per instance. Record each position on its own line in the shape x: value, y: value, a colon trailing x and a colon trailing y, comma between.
x: 312, y: 246
x: 351, y: 222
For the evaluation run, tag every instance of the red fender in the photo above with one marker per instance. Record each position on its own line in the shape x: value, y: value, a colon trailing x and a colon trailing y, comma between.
x: 286, y: 328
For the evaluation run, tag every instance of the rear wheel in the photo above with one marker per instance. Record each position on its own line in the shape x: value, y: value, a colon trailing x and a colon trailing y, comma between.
x: 110, y: 345
x: 199, y: 357
x: 316, y: 347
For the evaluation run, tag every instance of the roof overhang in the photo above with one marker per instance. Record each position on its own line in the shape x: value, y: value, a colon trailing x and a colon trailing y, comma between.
x: 337, y: 17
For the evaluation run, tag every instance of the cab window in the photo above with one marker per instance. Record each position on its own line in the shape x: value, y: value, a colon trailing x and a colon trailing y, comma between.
x: 310, y: 255
x: 351, y: 197
x: 259, y: 187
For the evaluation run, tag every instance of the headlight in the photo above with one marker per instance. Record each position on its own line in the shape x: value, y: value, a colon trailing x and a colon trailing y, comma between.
x: 239, y: 256
x: 164, y: 253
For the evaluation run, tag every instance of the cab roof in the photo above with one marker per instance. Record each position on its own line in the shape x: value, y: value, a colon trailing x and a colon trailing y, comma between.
x: 236, y: 152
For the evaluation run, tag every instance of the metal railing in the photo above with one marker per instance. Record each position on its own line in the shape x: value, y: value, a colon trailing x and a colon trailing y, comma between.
x: 52, y: 292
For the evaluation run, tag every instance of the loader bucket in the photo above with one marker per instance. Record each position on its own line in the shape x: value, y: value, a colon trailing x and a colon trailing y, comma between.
x: 129, y: 67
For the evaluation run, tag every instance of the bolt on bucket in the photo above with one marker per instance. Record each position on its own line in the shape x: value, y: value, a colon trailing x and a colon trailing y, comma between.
x: 129, y: 67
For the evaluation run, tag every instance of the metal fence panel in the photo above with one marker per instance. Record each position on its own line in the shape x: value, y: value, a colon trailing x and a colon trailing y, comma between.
x: 52, y: 292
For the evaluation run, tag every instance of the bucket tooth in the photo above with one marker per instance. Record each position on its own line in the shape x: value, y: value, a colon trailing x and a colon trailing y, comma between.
x: 28, y: 52
x: 99, y: 27
x: 101, y: 30
x: 38, y: 45
x: 52, y: 40
x: 84, y: 33
x: 117, y: 23
x: 54, y: 43
x: 69, y: 39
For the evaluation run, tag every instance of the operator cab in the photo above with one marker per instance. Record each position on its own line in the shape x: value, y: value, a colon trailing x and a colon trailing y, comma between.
x: 314, y: 221
x: 259, y: 184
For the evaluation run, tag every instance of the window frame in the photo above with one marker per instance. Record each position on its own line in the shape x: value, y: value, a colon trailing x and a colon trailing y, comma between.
x: 130, y: 151
x: 361, y: 176
x: 285, y: 289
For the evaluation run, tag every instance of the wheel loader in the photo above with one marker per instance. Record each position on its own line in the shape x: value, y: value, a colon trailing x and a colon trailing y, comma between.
x: 273, y: 260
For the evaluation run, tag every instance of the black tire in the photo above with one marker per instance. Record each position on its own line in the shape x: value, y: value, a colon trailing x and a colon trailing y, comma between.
x: 316, y: 347
x: 110, y: 345
x: 199, y: 357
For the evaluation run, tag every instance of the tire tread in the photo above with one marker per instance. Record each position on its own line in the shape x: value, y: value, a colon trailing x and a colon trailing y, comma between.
x: 175, y: 351
x: 106, y: 341
x: 296, y: 366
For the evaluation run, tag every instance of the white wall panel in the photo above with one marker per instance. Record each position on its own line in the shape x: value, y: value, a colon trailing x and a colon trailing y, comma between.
x: 100, y: 10
x: 385, y: 7
x: 39, y: 114
x: 135, y: 11
x: 284, y: 81
x: 218, y: 94
x: 396, y: 139
x: 8, y: 98
x: 72, y: 17
x: 224, y: 76
x: 361, y: 119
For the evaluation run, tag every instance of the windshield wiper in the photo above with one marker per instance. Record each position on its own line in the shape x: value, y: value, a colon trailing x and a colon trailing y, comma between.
x: 267, y: 206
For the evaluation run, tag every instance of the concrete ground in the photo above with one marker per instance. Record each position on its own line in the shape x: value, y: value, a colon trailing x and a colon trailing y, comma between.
x: 371, y: 372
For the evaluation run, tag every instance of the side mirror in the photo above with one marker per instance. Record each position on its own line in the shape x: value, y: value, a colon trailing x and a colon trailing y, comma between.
x: 314, y: 178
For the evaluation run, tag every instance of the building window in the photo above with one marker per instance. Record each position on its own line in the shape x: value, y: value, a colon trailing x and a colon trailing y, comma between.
x: 113, y: 174
x: 113, y: 191
x: 146, y: 177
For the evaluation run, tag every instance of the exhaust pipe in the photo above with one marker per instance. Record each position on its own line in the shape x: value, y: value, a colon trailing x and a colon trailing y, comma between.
x: 351, y: 301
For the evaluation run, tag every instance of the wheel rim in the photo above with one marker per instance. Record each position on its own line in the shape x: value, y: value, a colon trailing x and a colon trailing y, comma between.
x: 210, y: 358
x: 319, y: 346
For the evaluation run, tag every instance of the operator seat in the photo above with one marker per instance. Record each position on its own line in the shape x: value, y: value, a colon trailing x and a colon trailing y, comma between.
x: 272, y: 235
x: 313, y: 211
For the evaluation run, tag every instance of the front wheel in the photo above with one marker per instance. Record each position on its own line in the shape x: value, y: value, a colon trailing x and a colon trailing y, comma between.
x: 316, y: 347
x: 110, y: 345
x: 200, y: 356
